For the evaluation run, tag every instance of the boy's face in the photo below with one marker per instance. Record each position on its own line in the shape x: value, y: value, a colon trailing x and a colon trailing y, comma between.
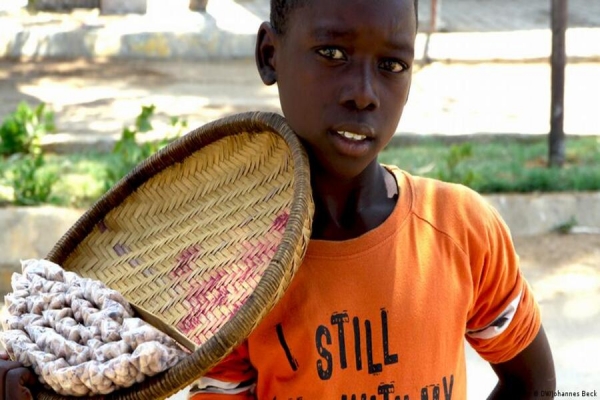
x: 343, y: 69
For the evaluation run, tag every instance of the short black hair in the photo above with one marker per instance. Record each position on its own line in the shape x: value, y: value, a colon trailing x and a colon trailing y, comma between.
x: 281, y: 9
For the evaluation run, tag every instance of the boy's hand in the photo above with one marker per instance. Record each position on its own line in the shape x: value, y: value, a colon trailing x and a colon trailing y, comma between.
x: 15, y: 380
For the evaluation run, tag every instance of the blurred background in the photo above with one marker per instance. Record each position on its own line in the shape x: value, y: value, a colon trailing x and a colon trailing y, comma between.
x: 89, y: 88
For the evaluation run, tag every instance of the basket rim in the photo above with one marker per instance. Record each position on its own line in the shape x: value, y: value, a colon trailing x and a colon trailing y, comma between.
x: 239, y: 326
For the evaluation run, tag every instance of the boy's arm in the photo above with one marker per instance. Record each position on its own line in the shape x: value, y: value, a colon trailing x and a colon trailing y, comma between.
x: 530, y: 372
x: 232, y: 379
x: 504, y: 323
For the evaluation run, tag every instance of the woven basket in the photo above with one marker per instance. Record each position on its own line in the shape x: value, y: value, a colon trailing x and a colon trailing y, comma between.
x: 205, y: 236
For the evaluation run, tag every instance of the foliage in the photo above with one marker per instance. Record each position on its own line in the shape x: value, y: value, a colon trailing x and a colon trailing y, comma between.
x: 566, y: 227
x: 497, y: 166
x: 142, y: 122
x: 503, y: 166
x: 31, y: 184
x: 28, y: 179
x: 453, y: 160
x: 20, y: 135
x: 22, y: 130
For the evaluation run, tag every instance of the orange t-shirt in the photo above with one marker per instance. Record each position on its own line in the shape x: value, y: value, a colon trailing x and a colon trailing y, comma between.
x: 385, y: 315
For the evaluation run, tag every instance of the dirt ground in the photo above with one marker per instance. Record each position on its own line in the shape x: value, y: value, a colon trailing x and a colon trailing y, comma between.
x: 446, y: 98
x: 558, y: 249
x: 564, y: 273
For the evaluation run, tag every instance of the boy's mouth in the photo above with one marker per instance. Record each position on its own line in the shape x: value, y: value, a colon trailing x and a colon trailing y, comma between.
x: 352, y: 136
x: 353, y: 132
x: 352, y: 140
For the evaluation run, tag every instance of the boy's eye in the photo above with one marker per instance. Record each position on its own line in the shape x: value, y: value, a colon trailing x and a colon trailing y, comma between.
x: 392, y: 66
x: 331, y: 53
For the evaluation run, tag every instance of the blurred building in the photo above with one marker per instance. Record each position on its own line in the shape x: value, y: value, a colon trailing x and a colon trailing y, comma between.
x: 110, y: 6
x: 63, y: 5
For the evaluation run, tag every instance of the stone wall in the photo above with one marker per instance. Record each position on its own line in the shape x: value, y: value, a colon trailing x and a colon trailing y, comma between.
x: 123, y: 7
x: 65, y: 5
x: 29, y: 233
x: 113, y: 6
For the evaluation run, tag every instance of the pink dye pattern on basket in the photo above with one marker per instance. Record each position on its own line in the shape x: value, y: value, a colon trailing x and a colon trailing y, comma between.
x: 255, y: 256
x: 222, y: 287
x: 188, y: 324
x: 121, y: 249
x: 102, y: 226
x: 199, y: 291
x: 135, y: 262
x: 280, y: 222
x: 201, y: 299
x: 185, y: 260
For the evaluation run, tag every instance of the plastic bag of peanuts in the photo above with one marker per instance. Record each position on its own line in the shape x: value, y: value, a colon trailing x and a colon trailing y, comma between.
x: 80, y: 337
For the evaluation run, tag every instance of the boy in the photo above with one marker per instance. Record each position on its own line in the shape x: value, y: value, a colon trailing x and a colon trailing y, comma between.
x: 399, y: 269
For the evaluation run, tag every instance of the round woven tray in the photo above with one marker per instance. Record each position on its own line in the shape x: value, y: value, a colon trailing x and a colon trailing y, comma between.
x: 205, y: 236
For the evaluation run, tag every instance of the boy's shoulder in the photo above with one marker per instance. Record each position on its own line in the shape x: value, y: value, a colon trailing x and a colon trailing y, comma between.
x: 433, y: 193
x: 450, y: 208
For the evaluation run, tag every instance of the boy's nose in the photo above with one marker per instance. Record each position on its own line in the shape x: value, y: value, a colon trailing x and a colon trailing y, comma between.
x: 359, y: 91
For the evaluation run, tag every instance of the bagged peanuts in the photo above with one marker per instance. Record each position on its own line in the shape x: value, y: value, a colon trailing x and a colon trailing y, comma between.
x: 80, y: 337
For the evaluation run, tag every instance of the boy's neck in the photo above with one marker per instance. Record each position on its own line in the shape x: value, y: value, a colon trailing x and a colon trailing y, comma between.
x: 345, y: 209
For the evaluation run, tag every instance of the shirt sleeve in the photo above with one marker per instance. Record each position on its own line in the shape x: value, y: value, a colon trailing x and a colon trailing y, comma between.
x: 504, y: 317
x: 232, y: 379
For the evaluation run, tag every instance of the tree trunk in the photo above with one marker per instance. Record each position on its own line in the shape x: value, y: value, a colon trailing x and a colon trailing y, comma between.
x: 198, y: 5
x: 556, y: 156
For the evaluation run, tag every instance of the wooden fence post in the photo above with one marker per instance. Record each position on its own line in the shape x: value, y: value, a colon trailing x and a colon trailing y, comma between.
x: 556, y: 142
x: 433, y: 22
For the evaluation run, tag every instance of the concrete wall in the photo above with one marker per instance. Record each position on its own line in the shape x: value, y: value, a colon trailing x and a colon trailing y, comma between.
x: 123, y: 7
x: 119, y: 6
x: 29, y: 233
x: 64, y: 5
x: 533, y: 214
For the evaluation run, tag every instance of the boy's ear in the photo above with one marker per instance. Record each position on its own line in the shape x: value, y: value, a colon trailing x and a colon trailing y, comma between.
x: 265, y: 53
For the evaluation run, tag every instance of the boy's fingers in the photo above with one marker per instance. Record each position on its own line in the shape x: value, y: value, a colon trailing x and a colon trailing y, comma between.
x: 5, y: 367
x: 18, y: 380
x: 4, y: 355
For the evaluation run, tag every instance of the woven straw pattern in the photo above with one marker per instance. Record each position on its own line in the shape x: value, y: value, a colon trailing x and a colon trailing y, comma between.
x: 206, y: 235
x: 197, y: 236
